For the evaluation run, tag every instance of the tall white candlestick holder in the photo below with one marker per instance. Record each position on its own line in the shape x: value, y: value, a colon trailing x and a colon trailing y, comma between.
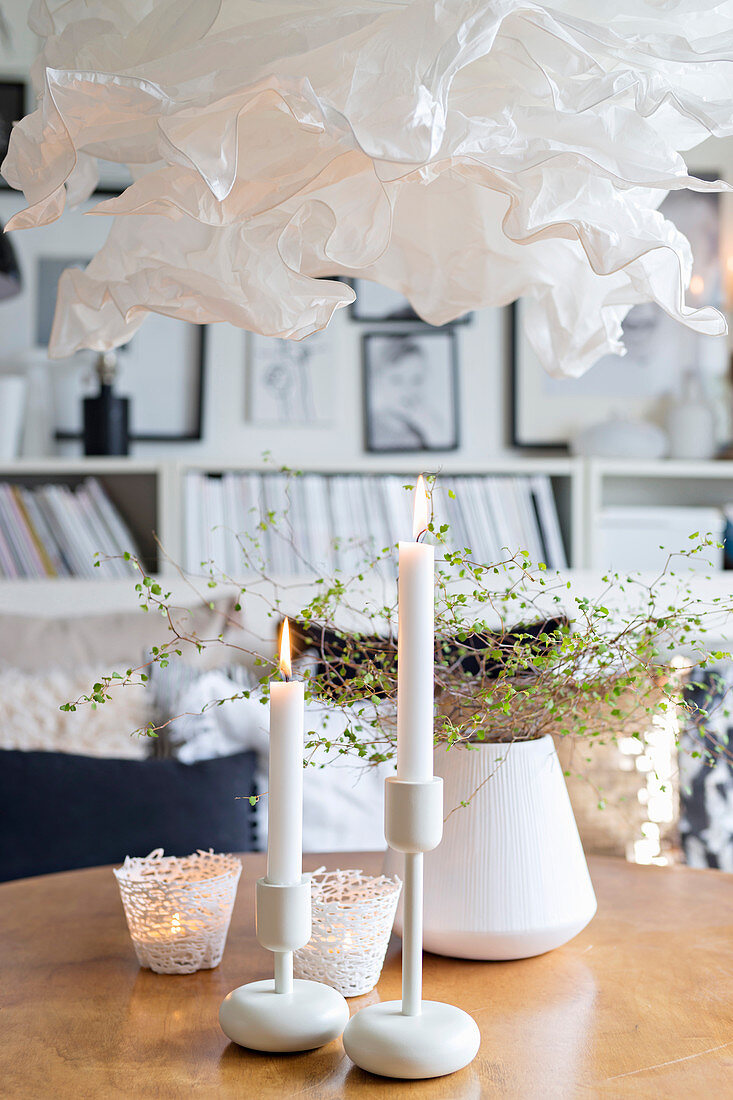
x: 412, y: 1038
x: 283, y: 1014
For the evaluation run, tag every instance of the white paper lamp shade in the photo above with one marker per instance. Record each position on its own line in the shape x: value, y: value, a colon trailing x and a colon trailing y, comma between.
x: 463, y: 152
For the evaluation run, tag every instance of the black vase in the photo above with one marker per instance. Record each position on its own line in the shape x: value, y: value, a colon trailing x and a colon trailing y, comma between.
x: 106, y: 423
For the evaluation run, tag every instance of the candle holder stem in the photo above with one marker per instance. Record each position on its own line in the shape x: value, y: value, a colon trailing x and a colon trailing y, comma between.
x: 412, y: 1038
x: 412, y: 935
x: 283, y: 971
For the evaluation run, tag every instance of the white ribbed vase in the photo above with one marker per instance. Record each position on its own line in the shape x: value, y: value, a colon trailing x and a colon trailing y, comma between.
x: 509, y: 879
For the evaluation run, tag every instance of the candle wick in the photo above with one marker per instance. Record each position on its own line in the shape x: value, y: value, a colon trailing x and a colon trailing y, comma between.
x: 422, y: 535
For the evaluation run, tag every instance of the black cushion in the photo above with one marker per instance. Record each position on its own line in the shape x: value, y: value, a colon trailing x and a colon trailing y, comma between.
x: 59, y: 811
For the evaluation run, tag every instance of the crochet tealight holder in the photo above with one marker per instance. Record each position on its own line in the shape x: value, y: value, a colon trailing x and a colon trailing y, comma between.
x: 284, y: 1014
x: 412, y: 1038
x: 352, y: 918
x: 178, y: 910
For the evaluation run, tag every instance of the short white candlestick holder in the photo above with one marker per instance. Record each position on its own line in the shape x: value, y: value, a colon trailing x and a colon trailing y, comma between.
x: 284, y: 1014
x: 412, y: 1038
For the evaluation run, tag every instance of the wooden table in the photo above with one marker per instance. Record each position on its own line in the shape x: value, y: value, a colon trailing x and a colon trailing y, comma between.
x: 638, y: 1005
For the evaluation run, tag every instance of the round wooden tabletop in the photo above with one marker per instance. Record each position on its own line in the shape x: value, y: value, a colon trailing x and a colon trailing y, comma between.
x: 638, y: 1005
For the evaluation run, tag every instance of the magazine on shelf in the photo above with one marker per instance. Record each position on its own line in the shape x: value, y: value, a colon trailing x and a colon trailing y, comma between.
x: 53, y: 530
x: 327, y: 521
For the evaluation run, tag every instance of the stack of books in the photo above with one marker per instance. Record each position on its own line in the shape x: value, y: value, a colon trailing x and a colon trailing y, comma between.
x: 56, y: 531
x: 313, y: 523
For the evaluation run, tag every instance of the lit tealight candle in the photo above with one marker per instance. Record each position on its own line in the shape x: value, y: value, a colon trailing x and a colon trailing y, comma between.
x: 178, y: 909
x: 416, y: 627
x: 164, y: 930
x: 285, y: 785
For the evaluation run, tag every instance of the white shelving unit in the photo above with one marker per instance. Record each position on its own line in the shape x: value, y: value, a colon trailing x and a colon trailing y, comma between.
x: 628, y: 482
x: 150, y: 496
x: 566, y: 477
x: 143, y: 492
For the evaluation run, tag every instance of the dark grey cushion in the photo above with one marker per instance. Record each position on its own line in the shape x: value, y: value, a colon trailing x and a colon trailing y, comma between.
x: 59, y: 812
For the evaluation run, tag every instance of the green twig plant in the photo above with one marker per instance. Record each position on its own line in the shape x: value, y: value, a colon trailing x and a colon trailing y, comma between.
x: 519, y: 654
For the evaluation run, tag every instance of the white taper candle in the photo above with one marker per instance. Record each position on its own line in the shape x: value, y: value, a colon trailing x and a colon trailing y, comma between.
x: 415, y: 641
x: 285, y: 784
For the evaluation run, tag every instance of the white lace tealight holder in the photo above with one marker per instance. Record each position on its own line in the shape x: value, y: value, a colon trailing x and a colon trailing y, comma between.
x: 352, y: 918
x: 178, y: 910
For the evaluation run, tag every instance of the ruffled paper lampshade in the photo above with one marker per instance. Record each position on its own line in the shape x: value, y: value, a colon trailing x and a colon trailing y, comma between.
x: 463, y: 152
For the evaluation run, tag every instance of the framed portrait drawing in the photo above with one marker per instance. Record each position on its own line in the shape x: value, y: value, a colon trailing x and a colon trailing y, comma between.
x: 410, y: 390
x: 548, y: 412
x: 379, y: 304
x: 162, y: 368
x: 291, y: 381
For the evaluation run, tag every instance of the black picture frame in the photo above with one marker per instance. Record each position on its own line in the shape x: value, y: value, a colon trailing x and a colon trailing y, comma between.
x: 197, y: 432
x: 411, y: 337
x: 406, y: 314
x: 25, y: 326
x: 513, y: 395
x: 13, y: 99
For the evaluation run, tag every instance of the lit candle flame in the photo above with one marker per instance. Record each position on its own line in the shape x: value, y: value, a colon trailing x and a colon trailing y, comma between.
x: 421, y: 512
x: 286, y: 667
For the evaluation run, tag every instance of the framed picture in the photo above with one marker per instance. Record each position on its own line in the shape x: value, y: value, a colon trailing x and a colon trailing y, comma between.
x: 410, y: 390
x: 548, y: 412
x: 379, y: 304
x: 162, y: 368
x: 12, y: 109
x: 291, y: 381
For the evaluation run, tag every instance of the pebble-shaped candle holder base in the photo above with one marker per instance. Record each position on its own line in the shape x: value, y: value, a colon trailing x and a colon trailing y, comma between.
x: 257, y: 1016
x: 439, y: 1040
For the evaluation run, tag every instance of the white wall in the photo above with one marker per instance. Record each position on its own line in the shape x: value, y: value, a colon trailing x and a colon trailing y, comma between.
x: 20, y: 48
